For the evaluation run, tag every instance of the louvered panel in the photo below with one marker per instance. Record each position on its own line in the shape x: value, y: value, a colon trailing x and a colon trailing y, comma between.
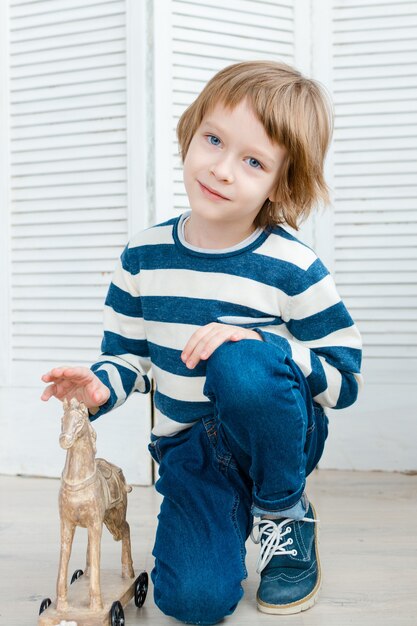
x: 54, y: 354
x: 361, y: 192
x: 63, y: 280
x: 378, y: 290
x: 369, y: 123
x: 27, y: 63
x: 209, y: 36
x: 61, y: 72
x: 67, y: 191
x: 34, y: 15
x: 51, y: 304
x: 373, y: 279
x: 359, y: 9
x: 56, y: 118
x: 66, y: 91
x: 68, y: 28
x: 103, y: 75
x: 57, y: 329
x: 71, y: 267
x: 370, y: 61
x: 68, y: 167
x: 375, y: 218
x: 64, y: 316
x: 238, y: 11
x: 43, y: 131
x: 80, y: 216
x: 49, y: 342
x: 74, y: 203
x: 77, y: 45
x: 369, y: 212
x: 69, y: 141
x: 62, y: 242
x: 26, y: 183
x: 72, y: 228
x: 367, y: 229
x: 378, y: 265
x: 86, y: 252
x: 375, y: 72
x: 346, y: 143
x: 377, y: 165
x: 390, y: 303
x: 40, y: 293
x: 58, y: 156
x: 404, y: 80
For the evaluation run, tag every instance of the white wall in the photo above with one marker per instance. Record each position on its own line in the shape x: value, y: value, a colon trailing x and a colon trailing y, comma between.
x: 75, y: 105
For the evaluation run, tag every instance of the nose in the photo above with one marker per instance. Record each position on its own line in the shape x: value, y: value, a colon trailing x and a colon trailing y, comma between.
x: 222, y: 169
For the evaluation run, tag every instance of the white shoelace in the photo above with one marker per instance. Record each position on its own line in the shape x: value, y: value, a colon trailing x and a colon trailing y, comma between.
x: 273, y: 545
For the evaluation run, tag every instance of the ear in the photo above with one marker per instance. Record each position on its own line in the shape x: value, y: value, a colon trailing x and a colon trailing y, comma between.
x: 65, y: 404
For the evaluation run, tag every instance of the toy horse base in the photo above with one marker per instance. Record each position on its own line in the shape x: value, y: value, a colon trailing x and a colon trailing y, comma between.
x: 116, y: 593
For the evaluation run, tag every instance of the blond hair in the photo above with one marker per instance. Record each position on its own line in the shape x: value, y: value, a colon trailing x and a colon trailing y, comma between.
x: 296, y: 113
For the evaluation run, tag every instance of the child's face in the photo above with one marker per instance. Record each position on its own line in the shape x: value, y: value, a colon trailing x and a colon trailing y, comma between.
x: 232, y: 154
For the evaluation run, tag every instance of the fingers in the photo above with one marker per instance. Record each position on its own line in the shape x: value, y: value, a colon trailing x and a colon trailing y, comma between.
x: 75, y: 373
x: 100, y: 394
x: 79, y: 382
x: 209, y: 343
x: 196, y: 338
x: 48, y: 392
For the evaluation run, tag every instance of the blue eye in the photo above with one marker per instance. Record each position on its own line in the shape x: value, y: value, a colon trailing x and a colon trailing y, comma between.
x: 256, y: 162
x: 214, y: 137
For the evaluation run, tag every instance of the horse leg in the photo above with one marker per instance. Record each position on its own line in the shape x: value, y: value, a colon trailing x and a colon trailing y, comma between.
x: 94, y: 542
x: 87, y: 560
x: 127, y: 563
x: 67, y: 535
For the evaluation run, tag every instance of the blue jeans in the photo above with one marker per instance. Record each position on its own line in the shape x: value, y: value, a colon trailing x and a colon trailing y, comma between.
x: 253, y: 452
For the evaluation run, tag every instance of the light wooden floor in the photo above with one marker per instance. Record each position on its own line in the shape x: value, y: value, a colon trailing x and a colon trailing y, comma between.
x: 368, y: 549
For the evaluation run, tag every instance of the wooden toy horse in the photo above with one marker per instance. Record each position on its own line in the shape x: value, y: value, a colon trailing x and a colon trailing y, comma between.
x: 92, y: 491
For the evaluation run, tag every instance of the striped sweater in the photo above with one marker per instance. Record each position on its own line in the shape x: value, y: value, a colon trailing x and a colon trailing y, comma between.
x: 164, y: 289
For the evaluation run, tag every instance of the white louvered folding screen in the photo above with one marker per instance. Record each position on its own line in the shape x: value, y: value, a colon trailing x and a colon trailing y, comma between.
x: 68, y: 166
x: 205, y: 37
x: 375, y: 168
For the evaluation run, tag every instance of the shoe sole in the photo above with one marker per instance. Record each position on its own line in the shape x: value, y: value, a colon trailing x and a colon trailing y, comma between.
x: 304, y: 603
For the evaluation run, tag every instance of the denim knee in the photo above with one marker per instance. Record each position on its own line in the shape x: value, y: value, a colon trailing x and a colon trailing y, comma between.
x: 196, y: 603
x: 242, y: 371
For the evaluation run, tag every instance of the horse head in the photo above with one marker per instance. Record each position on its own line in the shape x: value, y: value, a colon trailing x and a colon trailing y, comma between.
x: 74, y: 423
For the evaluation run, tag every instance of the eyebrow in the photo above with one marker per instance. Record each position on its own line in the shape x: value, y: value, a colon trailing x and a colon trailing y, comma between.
x: 265, y: 157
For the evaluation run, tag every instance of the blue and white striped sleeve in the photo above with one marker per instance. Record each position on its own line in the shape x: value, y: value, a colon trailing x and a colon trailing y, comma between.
x: 125, y: 359
x: 322, y: 338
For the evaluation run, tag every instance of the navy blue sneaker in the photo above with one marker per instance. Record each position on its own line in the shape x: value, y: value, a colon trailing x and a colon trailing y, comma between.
x: 288, y: 563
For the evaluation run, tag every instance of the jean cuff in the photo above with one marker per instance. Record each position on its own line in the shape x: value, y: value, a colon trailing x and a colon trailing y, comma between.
x: 296, y: 512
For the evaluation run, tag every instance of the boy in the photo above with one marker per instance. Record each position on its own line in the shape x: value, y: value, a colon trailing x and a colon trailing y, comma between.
x: 248, y: 340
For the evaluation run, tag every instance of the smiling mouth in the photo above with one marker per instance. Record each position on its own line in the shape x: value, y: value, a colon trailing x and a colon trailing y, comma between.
x: 212, y: 192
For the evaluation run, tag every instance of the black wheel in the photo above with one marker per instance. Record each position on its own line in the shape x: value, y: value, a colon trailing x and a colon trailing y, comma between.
x: 44, y: 605
x: 141, y: 589
x: 76, y: 575
x: 117, y: 615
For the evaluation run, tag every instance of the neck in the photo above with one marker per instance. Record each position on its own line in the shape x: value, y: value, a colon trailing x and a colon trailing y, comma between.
x: 215, y: 236
x: 80, y: 462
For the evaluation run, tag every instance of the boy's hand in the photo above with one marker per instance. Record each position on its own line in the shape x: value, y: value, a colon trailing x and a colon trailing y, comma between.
x: 207, y: 338
x: 75, y: 382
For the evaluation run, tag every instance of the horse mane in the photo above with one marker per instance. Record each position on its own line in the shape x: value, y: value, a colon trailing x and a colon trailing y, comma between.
x: 81, y: 408
x: 93, y: 433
